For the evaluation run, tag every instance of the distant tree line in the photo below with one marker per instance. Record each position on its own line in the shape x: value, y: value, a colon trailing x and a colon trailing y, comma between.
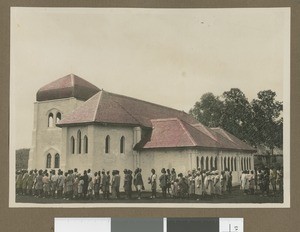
x: 258, y: 122
x: 22, y: 156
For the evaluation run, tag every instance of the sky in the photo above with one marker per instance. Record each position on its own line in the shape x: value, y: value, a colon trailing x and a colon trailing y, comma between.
x: 166, y: 56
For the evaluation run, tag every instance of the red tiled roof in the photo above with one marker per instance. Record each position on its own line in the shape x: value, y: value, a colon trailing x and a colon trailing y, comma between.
x: 234, y: 140
x: 168, y: 128
x: 105, y: 107
x: 172, y: 132
x: 65, y: 87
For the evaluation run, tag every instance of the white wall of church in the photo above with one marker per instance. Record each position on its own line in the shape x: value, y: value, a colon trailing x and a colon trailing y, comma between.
x: 184, y: 160
x: 97, y: 159
x: 47, y: 139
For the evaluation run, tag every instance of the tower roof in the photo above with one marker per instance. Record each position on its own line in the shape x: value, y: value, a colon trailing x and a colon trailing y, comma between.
x: 65, y: 87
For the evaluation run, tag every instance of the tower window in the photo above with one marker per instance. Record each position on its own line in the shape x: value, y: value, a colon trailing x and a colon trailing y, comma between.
x: 58, y: 117
x: 50, y: 120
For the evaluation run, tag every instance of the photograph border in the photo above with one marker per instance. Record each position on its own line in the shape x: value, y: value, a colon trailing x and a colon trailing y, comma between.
x: 275, y: 220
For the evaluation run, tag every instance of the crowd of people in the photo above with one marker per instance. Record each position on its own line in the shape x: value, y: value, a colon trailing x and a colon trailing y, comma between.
x: 196, y: 184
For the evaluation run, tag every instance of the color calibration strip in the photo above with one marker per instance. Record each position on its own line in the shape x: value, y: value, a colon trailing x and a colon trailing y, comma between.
x: 149, y: 224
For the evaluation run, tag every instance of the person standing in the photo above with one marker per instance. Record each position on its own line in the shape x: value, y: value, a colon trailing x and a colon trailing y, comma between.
x: 163, y: 183
x: 96, y: 181
x: 139, y: 183
x: 117, y: 181
x: 104, y: 185
x: 46, y: 182
x: 152, y: 182
x: 30, y: 182
x: 198, y: 185
x: 39, y: 184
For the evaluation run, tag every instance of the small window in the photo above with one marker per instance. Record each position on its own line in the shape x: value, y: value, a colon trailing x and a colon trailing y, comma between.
x: 48, y: 162
x: 107, y: 144
x: 216, y: 162
x: 122, y: 144
x: 85, y: 144
x: 56, y: 161
x: 242, y: 164
x: 235, y: 164
x: 50, y: 120
x: 79, y: 142
x: 58, y: 117
x: 202, y: 163
x: 72, y: 145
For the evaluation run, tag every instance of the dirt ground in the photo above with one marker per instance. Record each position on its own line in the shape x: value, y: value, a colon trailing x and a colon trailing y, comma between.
x: 236, y: 196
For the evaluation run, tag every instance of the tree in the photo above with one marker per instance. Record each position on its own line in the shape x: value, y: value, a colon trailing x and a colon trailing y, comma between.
x: 208, y: 110
x: 268, y: 120
x: 237, y: 115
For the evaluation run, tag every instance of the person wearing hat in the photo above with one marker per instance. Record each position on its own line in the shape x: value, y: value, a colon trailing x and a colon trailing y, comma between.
x: 163, y: 183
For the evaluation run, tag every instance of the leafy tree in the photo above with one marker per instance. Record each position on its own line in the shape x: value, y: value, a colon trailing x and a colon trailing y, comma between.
x: 268, y: 120
x: 208, y: 110
x: 237, y: 115
x: 258, y: 123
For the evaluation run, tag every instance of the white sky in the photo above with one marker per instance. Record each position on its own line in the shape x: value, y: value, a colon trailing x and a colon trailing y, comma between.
x: 166, y: 56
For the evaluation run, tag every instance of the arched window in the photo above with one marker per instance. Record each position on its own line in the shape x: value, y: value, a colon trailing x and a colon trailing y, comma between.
x: 50, y: 120
x: 222, y: 168
x: 225, y: 165
x: 122, y: 144
x: 228, y: 165
x: 197, y: 161
x: 242, y: 164
x: 72, y: 145
x: 107, y: 144
x: 56, y: 161
x: 202, y: 163
x: 216, y: 162
x: 79, y: 142
x: 211, y: 163
x: 232, y: 168
x: 58, y: 117
x: 250, y: 166
x: 247, y: 163
x: 85, y: 144
x: 206, y: 164
x: 235, y: 164
x: 48, y: 161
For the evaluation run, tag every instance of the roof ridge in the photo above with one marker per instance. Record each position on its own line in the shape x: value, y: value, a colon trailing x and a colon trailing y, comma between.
x: 164, y: 119
x: 207, y: 130
x: 125, y: 109
x: 188, y: 133
x: 225, y: 135
x: 180, y: 111
x: 98, y: 104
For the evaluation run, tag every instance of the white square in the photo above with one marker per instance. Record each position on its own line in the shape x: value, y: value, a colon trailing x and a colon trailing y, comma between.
x: 82, y: 224
x: 231, y: 224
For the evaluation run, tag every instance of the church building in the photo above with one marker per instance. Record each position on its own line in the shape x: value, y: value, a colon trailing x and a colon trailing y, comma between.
x: 78, y: 125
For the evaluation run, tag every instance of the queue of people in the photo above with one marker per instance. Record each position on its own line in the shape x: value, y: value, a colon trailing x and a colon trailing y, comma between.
x: 196, y: 184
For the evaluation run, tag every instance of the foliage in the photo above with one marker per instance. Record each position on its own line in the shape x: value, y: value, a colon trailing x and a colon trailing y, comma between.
x: 22, y: 156
x: 258, y: 122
